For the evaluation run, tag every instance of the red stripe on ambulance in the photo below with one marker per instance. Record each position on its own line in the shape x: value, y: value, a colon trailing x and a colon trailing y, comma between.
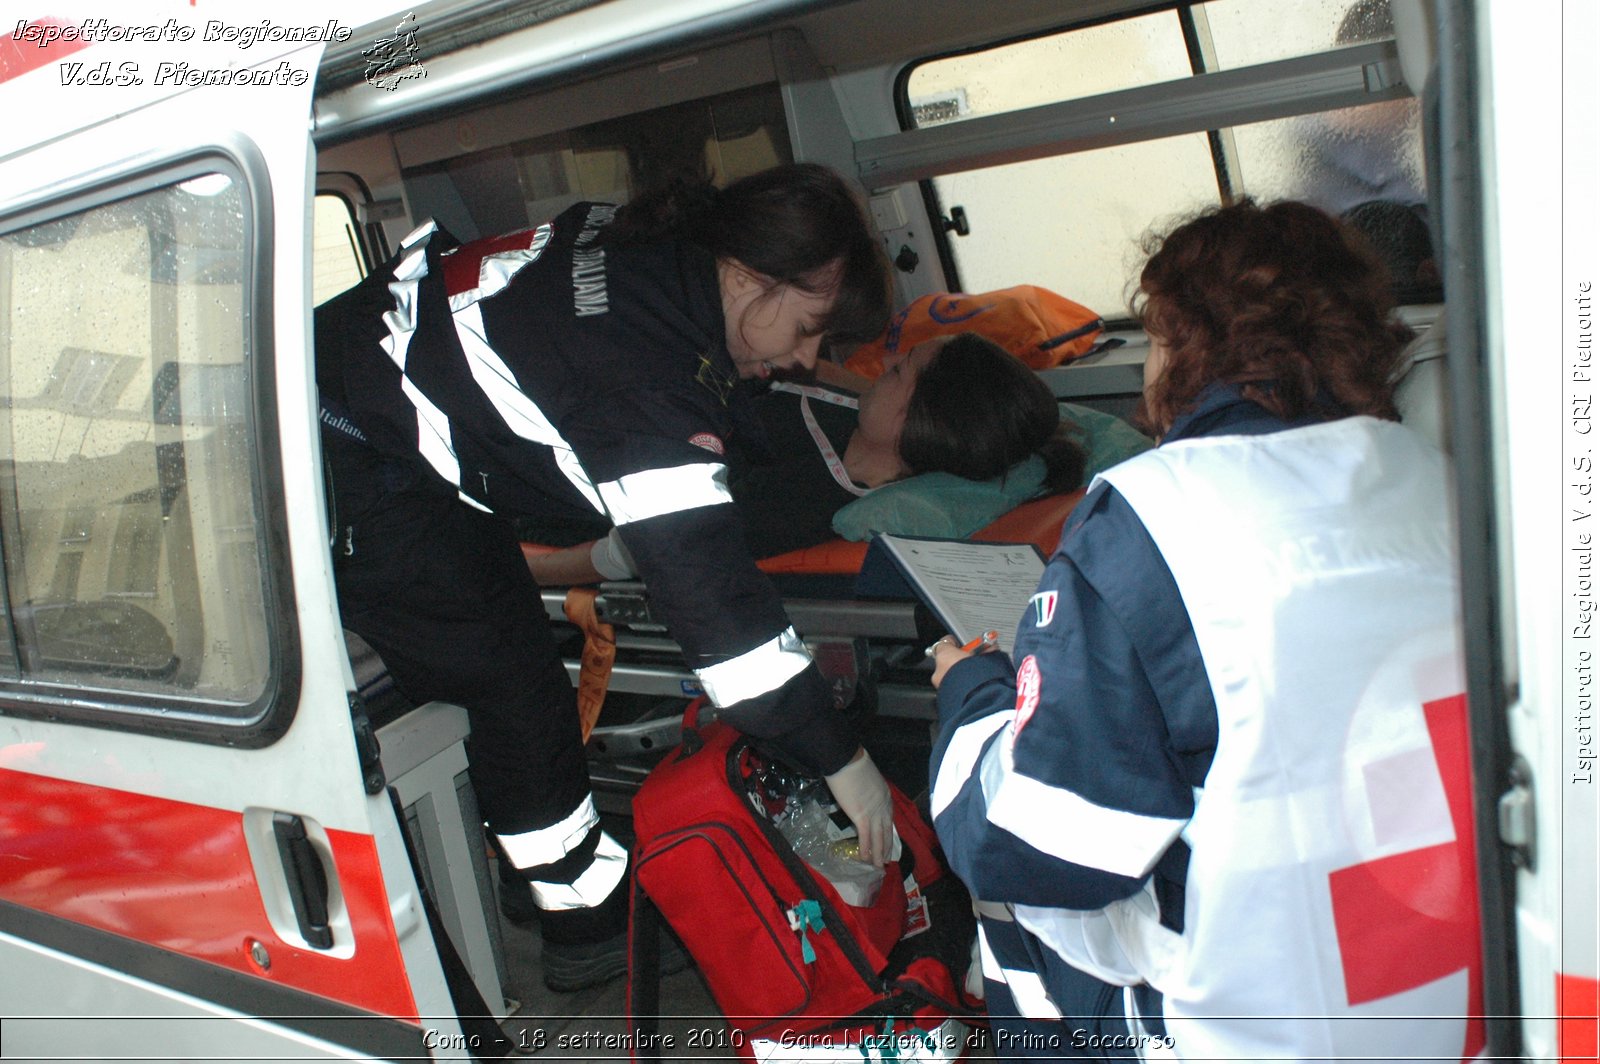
x: 18, y: 57
x: 1578, y: 1006
x: 179, y: 877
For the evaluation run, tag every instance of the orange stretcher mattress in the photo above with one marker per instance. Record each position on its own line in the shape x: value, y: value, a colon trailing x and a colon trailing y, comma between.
x: 1038, y: 522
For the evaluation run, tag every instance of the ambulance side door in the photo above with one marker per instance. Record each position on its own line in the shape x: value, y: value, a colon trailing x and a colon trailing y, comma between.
x: 191, y: 835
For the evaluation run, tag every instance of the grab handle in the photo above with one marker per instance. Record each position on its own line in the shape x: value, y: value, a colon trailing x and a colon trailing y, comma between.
x: 308, y: 880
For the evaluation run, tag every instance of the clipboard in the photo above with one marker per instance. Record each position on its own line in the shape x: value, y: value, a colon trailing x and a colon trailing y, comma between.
x: 970, y: 586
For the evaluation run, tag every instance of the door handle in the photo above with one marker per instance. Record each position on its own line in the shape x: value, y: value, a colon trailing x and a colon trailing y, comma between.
x: 308, y: 879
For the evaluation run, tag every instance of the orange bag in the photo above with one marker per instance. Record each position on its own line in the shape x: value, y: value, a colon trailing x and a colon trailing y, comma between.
x: 599, y: 655
x: 1039, y: 327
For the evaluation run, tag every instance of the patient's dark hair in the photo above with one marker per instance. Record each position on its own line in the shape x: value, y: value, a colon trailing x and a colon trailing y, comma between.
x: 793, y: 223
x: 976, y: 411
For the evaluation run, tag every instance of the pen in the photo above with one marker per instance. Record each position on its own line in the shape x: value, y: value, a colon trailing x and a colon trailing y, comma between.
x: 986, y: 641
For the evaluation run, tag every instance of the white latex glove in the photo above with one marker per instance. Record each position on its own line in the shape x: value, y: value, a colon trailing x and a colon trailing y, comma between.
x: 862, y: 793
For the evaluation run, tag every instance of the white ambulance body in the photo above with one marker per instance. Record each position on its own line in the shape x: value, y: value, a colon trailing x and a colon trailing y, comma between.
x: 203, y: 853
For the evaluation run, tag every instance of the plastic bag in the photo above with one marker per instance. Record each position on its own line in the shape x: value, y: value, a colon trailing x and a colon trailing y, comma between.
x: 830, y: 850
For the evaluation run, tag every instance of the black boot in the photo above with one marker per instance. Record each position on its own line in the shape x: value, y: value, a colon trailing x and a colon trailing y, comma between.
x: 586, y: 947
x: 589, y: 947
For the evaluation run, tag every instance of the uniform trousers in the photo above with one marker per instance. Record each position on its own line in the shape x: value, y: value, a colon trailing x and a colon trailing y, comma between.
x: 441, y: 591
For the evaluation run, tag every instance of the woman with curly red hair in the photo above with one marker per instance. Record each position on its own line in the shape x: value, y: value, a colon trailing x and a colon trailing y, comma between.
x: 1236, y: 703
x: 1282, y: 301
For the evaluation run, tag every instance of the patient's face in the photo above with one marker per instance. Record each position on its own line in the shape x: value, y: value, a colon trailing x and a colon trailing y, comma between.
x: 883, y: 406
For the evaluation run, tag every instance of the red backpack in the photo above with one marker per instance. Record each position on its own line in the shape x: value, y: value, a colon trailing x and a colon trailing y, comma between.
x: 788, y: 962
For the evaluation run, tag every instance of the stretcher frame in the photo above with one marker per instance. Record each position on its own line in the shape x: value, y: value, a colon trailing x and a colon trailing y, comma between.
x: 869, y: 650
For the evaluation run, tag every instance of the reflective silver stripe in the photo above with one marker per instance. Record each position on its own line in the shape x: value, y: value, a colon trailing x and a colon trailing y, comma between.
x: 496, y: 271
x: 1065, y: 825
x: 654, y: 492
x: 402, y: 320
x: 520, y: 413
x: 593, y: 886
x: 568, y: 463
x: 992, y: 910
x: 433, y: 434
x: 415, y: 237
x: 961, y: 757
x: 986, y: 958
x: 493, y: 376
x: 433, y: 427
x: 755, y: 672
x: 1151, y: 1046
x: 542, y: 846
x: 1028, y: 991
x: 495, y: 379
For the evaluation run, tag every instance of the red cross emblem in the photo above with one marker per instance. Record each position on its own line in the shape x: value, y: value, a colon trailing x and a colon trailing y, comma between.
x: 1384, y: 910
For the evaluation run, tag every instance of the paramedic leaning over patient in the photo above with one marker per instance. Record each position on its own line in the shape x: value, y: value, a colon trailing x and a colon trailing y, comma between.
x: 957, y: 404
x: 1225, y: 788
x: 591, y: 363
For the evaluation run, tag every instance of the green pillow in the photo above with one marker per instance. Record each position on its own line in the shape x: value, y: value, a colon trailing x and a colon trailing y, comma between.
x: 946, y: 506
x: 1106, y: 437
x: 942, y: 505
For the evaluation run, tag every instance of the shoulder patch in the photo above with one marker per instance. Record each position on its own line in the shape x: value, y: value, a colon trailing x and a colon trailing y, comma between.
x: 1028, y: 685
x: 1043, y: 608
x: 707, y: 441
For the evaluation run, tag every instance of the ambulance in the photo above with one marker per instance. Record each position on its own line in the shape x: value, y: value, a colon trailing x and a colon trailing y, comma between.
x: 207, y: 848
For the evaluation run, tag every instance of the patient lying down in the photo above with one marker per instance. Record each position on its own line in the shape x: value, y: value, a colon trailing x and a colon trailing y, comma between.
x: 954, y: 404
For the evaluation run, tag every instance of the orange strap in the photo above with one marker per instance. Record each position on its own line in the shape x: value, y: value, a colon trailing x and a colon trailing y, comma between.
x: 599, y: 655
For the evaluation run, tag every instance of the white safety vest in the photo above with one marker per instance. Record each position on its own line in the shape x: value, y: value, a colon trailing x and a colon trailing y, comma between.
x: 1331, y: 904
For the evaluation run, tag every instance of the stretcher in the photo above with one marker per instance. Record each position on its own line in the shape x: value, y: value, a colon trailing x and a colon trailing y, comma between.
x: 869, y: 649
